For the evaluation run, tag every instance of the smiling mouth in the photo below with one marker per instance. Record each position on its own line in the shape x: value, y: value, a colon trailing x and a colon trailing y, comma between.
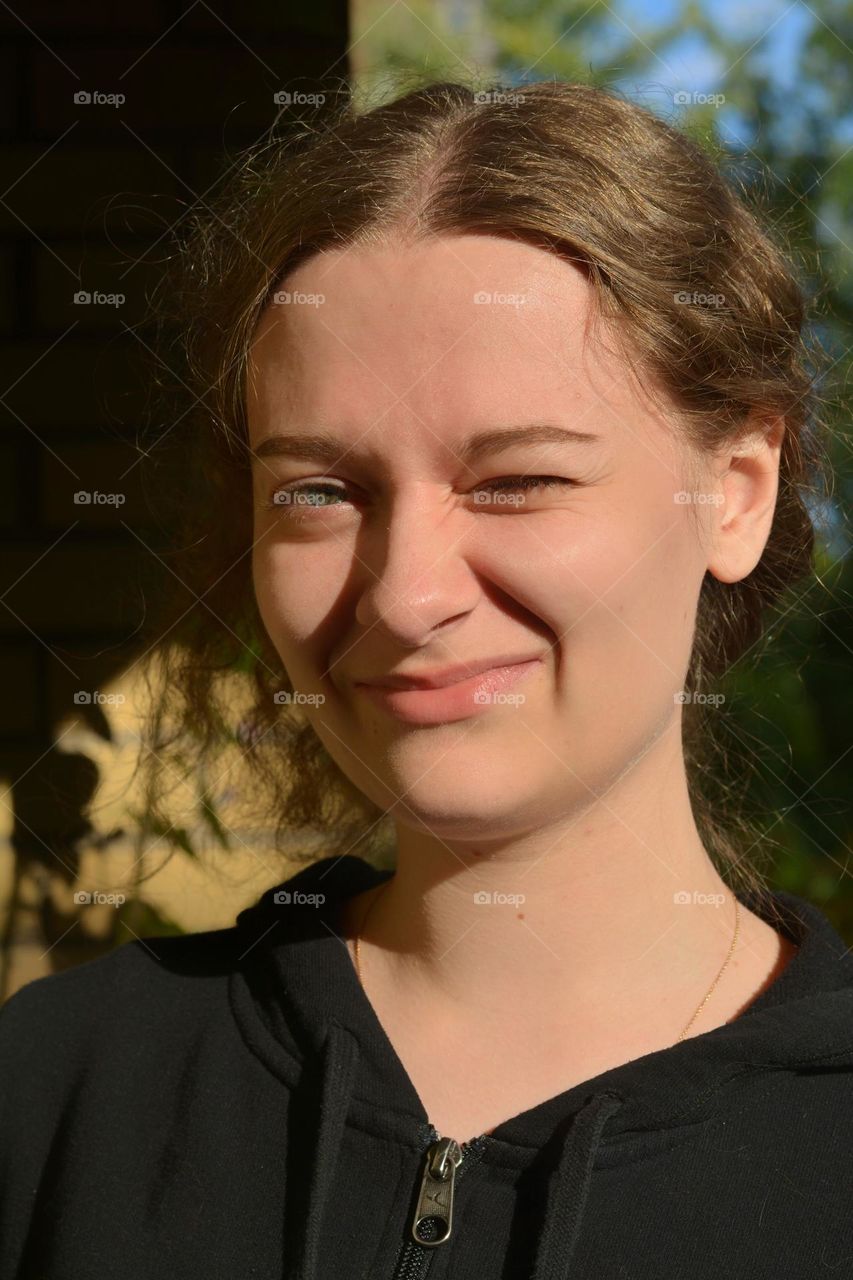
x: 443, y: 677
x: 458, y: 699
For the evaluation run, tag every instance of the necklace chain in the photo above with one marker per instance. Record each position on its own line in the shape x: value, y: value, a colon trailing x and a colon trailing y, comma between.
x: 357, y: 951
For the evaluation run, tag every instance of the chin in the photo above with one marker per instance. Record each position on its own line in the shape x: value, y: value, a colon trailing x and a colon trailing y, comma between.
x: 468, y: 814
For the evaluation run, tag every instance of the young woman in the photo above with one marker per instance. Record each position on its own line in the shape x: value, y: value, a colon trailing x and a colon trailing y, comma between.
x: 503, y: 427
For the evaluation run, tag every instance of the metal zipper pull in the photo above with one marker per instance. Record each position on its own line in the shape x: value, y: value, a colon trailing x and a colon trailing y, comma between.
x: 434, y: 1213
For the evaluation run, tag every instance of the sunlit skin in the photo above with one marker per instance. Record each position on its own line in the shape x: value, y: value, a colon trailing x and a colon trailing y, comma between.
x: 404, y: 561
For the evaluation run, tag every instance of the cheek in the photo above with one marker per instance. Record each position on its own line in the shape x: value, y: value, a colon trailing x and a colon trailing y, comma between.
x: 633, y: 635
x: 568, y: 571
x: 295, y: 594
x: 617, y: 589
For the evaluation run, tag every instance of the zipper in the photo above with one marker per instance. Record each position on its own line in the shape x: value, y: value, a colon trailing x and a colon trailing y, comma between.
x: 445, y: 1162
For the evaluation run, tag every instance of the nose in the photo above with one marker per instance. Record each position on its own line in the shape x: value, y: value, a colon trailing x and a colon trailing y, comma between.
x: 416, y: 576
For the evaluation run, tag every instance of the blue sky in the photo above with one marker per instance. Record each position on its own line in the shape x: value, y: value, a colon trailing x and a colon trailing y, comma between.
x: 769, y: 32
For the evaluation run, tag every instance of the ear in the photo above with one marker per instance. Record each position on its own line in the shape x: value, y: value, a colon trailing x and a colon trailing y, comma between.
x: 747, y: 476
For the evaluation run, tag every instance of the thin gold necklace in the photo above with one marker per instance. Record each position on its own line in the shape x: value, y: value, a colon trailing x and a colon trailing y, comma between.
x: 357, y: 951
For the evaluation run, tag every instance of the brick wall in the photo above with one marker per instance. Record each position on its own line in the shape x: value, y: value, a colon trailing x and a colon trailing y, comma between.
x: 89, y: 188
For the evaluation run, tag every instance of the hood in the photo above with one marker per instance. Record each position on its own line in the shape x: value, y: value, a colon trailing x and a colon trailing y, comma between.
x: 300, y: 1007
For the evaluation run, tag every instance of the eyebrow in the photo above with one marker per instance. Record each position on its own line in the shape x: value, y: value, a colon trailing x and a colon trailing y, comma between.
x: 325, y: 447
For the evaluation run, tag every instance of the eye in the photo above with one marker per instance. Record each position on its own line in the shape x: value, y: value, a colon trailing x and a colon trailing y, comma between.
x: 525, y: 482
x: 510, y: 490
x: 297, y: 499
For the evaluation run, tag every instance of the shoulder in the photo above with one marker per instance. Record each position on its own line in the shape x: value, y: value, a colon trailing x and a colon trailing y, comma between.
x: 171, y: 981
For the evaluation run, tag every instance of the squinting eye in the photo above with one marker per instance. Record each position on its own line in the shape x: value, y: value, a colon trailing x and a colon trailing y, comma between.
x: 509, y: 493
x: 524, y: 482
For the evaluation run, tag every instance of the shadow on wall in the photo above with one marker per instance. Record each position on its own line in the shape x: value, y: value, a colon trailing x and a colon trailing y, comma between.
x: 69, y: 903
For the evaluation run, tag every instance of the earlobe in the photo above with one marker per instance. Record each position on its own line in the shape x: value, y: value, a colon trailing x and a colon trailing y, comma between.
x: 748, y: 487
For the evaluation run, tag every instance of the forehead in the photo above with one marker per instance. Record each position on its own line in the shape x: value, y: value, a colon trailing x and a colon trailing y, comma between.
x: 436, y: 337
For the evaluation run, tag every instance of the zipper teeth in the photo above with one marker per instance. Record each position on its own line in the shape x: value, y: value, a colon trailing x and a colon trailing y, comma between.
x: 416, y: 1259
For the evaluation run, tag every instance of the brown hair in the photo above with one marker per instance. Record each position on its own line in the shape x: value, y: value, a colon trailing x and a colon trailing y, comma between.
x: 649, y: 213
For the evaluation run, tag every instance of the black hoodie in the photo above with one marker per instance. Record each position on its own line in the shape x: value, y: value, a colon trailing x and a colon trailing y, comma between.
x: 226, y: 1105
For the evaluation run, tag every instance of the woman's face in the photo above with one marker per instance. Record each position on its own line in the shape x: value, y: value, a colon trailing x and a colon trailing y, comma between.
x: 406, y: 545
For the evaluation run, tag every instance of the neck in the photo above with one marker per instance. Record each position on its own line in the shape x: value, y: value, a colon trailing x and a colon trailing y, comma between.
x: 583, y: 922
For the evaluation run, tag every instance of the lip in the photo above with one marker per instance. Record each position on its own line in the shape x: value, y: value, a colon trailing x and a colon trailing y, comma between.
x: 441, y: 677
x: 438, y: 703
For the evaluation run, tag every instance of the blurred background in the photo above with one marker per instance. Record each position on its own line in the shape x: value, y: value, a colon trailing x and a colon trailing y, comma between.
x: 116, y: 121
